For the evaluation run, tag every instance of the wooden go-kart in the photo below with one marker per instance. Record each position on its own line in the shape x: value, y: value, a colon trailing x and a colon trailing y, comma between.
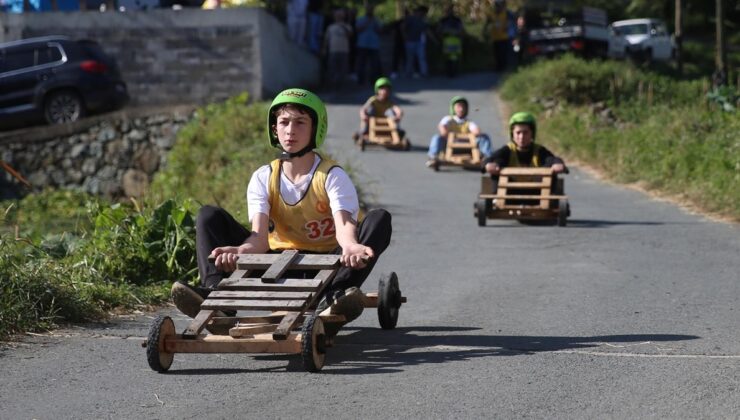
x: 384, y: 132
x: 282, y: 316
x: 462, y: 150
x: 524, y: 194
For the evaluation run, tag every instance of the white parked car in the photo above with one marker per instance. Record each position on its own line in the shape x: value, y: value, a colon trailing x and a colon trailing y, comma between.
x: 641, y: 39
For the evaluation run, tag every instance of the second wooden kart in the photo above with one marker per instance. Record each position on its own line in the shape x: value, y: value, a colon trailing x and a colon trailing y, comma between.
x: 384, y: 132
x: 285, y: 320
x: 461, y: 150
x: 524, y: 194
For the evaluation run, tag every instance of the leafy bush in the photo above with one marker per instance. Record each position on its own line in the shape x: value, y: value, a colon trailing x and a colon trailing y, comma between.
x: 215, y: 156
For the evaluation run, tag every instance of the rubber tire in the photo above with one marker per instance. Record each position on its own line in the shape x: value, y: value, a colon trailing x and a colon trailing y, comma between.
x: 313, y: 344
x: 406, y: 145
x: 482, y: 212
x: 389, y: 301
x: 362, y: 144
x: 563, y: 210
x: 64, y: 95
x: 436, y: 166
x: 161, y: 328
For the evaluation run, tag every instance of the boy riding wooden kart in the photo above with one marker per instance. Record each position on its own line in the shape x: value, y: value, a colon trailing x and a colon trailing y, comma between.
x: 460, y: 140
x: 380, y: 119
x: 521, y: 181
x: 300, y: 201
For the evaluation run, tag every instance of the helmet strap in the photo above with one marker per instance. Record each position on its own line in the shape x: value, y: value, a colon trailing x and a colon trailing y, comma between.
x: 288, y: 156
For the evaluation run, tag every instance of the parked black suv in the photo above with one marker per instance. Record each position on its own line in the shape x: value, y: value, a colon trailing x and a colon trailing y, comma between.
x: 57, y: 78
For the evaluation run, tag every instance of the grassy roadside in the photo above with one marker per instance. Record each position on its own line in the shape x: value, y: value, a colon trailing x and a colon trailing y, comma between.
x: 70, y: 257
x: 637, y: 127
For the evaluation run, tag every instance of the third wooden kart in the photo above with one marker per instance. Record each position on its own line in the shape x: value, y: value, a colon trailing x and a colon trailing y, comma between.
x: 384, y: 132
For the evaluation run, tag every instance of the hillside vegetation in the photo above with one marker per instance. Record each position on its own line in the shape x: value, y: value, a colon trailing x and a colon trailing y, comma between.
x: 67, y: 256
x: 670, y: 136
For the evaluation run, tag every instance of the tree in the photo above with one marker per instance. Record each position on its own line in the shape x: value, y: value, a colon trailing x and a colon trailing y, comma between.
x: 720, y: 73
x: 678, y: 35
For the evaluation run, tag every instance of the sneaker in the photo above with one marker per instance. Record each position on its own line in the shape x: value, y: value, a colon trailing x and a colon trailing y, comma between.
x: 355, y: 137
x: 186, y: 298
x: 431, y: 162
x: 350, y: 304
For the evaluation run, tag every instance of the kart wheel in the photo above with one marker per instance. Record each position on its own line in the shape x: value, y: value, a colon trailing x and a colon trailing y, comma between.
x: 162, y: 327
x: 389, y: 301
x: 436, y: 165
x: 313, y: 344
x: 481, y: 210
x: 362, y: 144
x: 563, y: 210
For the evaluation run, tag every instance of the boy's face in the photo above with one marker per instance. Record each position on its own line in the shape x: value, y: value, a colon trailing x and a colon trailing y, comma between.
x: 384, y: 93
x: 460, y: 109
x: 522, y: 136
x: 293, y: 129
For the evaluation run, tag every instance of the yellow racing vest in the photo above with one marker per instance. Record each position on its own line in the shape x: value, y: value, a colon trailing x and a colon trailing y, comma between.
x: 454, y: 127
x: 498, y: 22
x: 514, y: 158
x: 307, y: 225
x: 379, y: 107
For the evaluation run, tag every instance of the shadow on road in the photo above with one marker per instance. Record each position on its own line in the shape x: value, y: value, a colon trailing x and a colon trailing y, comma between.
x: 379, y: 351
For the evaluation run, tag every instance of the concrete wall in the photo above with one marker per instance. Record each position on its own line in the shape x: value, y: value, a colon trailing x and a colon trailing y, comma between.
x: 188, y: 56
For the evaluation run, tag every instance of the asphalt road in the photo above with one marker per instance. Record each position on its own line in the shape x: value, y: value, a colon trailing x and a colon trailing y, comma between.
x: 630, y: 311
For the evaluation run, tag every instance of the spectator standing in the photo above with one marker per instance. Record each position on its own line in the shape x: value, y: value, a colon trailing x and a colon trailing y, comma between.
x: 414, y: 31
x: 296, y: 20
x: 368, y: 45
x: 521, y: 40
x: 451, y: 30
x: 399, y: 46
x: 315, y: 24
x: 498, y: 28
x: 336, y: 47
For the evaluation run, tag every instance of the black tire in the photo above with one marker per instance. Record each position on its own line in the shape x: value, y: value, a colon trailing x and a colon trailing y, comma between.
x: 563, y: 212
x: 313, y: 344
x: 389, y: 301
x: 482, y: 212
x: 362, y: 144
x: 63, y: 106
x: 435, y: 166
x: 162, y: 327
x: 406, y: 145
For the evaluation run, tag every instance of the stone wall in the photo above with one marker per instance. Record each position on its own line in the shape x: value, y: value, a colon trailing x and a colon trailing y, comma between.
x: 188, y: 56
x: 115, y: 157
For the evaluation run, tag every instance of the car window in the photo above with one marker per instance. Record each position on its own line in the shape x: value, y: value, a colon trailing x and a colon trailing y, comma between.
x: 633, y: 29
x: 45, y: 55
x: 16, y: 59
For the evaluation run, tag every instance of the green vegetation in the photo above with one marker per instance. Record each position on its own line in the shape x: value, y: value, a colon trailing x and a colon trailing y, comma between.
x: 637, y: 126
x: 68, y: 257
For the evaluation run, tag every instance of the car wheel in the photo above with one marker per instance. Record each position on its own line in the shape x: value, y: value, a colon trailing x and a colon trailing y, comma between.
x: 63, y: 107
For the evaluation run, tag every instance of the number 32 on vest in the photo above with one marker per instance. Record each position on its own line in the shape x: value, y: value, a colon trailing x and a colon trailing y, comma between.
x: 320, y: 228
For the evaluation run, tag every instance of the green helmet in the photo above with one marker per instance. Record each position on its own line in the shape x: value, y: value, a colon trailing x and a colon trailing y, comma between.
x: 523, y: 118
x: 309, y: 101
x: 456, y: 99
x: 383, y: 81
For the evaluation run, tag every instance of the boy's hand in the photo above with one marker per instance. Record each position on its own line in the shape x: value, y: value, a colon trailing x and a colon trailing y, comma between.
x: 493, y: 168
x: 226, y: 257
x: 558, y: 168
x: 356, y: 256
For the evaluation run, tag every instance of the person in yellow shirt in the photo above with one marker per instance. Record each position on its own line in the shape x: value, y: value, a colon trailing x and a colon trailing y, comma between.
x: 380, y: 105
x: 499, y: 25
x: 303, y: 201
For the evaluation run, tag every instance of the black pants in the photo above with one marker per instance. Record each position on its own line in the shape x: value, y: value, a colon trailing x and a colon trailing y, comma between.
x: 215, y: 227
x: 500, y: 54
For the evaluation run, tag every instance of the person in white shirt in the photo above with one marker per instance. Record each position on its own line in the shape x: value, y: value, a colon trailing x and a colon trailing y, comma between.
x: 300, y: 201
x: 336, y: 48
x: 457, y: 122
